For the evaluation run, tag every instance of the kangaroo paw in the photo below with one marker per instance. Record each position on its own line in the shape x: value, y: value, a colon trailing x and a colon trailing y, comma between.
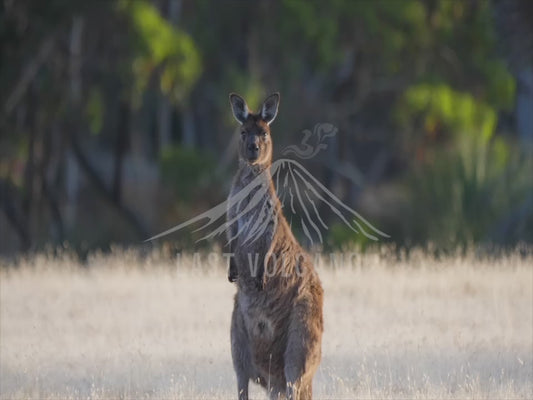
x: 232, y: 277
x: 233, y: 272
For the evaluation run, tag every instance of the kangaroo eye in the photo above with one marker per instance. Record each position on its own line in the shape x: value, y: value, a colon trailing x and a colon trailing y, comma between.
x: 243, y: 134
x: 265, y: 134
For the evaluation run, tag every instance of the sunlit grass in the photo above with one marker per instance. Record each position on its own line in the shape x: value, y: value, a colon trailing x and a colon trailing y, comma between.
x: 126, y: 327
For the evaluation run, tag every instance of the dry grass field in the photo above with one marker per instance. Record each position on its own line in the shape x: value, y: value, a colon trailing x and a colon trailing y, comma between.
x: 122, y: 327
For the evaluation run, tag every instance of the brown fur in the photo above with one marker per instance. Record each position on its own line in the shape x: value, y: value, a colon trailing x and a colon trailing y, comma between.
x: 277, y: 324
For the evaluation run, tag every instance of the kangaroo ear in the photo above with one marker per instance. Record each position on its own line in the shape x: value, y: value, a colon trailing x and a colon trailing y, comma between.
x: 269, y: 110
x: 239, y: 107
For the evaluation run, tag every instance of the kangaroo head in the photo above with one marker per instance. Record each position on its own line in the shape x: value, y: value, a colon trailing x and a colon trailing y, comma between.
x: 255, y: 144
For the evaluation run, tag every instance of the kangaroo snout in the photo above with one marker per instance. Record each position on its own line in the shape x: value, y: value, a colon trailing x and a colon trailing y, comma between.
x: 252, y: 149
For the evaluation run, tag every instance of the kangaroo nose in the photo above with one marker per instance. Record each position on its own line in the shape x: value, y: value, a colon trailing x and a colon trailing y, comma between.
x: 253, y: 147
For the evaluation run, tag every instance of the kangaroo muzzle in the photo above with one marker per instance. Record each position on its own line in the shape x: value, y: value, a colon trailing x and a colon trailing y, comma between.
x: 252, y: 151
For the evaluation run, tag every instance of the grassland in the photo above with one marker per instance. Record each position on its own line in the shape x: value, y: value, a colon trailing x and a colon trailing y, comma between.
x: 125, y: 327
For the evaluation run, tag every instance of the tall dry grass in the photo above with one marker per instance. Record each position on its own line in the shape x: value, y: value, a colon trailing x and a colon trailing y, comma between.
x: 126, y: 327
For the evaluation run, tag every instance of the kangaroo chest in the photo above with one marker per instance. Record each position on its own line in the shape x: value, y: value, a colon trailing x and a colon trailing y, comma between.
x: 263, y: 318
x: 254, y: 213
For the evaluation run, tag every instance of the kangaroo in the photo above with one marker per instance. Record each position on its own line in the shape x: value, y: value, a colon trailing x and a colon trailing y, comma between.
x: 277, y: 323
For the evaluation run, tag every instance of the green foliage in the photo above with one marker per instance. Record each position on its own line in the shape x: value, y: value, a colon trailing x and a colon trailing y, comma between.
x: 247, y: 86
x: 439, y: 106
x: 463, y: 197
x: 162, y: 47
x: 339, y: 235
x: 316, y: 25
x: 390, y: 27
x: 468, y: 57
x: 436, y: 64
x: 501, y: 86
x: 186, y: 170
x: 464, y: 185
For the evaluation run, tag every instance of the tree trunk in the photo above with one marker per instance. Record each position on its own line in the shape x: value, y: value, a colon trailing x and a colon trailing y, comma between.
x: 188, y: 127
x: 120, y: 149
x: 164, y: 113
x: 513, y: 20
x: 524, y: 105
x: 72, y: 175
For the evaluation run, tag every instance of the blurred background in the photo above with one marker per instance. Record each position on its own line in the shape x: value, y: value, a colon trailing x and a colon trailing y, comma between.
x: 115, y: 122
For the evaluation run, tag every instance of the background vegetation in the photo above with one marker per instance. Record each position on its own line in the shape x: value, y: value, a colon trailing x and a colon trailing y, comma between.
x: 115, y: 123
